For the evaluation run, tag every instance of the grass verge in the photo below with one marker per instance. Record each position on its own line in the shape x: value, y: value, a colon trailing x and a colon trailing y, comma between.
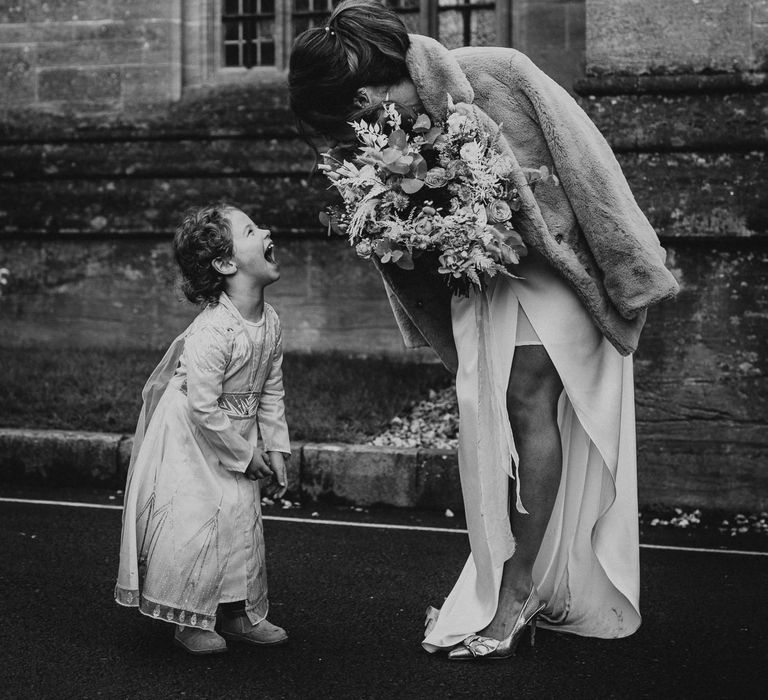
x: 329, y: 397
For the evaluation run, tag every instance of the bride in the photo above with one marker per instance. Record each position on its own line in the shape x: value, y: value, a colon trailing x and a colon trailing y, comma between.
x: 543, y: 363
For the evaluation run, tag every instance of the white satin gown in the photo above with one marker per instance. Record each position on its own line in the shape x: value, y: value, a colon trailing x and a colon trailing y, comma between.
x: 587, y: 570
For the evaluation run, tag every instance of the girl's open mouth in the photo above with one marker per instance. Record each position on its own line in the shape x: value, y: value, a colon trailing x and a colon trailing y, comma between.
x: 269, y: 254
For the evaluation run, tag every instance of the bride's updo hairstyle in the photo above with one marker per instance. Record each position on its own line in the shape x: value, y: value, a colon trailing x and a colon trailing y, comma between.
x: 363, y: 43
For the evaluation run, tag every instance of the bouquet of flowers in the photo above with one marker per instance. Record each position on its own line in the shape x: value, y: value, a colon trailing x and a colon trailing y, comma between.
x: 409, y: 187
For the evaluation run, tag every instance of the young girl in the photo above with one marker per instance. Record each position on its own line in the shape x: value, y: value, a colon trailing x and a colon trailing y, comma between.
x: 193, y: 542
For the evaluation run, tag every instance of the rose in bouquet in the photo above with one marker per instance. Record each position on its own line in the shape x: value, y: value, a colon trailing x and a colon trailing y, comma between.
x: 409, y: 187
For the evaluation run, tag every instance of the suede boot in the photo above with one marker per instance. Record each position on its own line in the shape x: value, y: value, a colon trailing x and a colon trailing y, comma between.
x: 238, y: 628
x: 199, y: 642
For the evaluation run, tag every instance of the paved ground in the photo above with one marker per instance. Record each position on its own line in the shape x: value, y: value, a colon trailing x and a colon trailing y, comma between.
x: 352, y: 599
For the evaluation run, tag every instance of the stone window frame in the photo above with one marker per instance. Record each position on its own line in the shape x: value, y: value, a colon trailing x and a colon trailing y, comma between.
x: 202, y: 41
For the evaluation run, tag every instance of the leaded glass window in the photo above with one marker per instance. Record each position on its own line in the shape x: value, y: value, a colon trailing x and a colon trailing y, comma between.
x: 466, y: 23
x: 310, y: 13
x: 410, y: 12
x: 249, y: 33
x: 313, y: 13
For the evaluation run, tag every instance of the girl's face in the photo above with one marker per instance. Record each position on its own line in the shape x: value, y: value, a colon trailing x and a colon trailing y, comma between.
x: 254, y: 252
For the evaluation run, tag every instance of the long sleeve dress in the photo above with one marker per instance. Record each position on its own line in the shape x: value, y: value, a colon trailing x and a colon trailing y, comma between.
x: 192, y: 529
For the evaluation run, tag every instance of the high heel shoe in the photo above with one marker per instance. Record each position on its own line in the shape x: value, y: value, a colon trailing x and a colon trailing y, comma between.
x: 478, y: 647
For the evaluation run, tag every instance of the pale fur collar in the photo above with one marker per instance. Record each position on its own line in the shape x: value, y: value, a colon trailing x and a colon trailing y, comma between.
x: 436, y: 74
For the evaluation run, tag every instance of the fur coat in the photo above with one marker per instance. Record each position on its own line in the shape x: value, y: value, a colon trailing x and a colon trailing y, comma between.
x: 589, y: 228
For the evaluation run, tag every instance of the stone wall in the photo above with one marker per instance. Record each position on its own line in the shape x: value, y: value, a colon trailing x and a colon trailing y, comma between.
x: 89, y: 55
x: 88, y: 202
x: 684, y: 36
x: 553, y: 34
x: 680, y: 91
x: 88, y: 205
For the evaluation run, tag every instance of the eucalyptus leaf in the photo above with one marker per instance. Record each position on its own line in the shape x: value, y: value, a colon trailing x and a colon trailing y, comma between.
x: 399, y: 167
x: 382, y: 247
x: 398, y: 139
x: 411, y: 185
x: 419, y: 167
x: 390, y: 155
x: 405, y: 261
x: 431, y: 136
x: 422, y: 124
x: 513, y: 239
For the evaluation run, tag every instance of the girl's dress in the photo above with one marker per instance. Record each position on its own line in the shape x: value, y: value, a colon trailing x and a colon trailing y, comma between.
x: 587, y: 570
x: 192, y: 529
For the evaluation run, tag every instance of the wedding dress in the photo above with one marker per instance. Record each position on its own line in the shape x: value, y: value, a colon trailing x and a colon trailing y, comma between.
x: 587, y: 569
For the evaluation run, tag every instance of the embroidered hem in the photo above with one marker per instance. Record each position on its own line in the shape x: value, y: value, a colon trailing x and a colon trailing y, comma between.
x: 256, y: 611
x: 166, y: 613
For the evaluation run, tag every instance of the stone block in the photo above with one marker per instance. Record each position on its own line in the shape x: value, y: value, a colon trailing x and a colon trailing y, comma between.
x: 760, y: 46
x: 90, y: 53
x: 640, y: 36
x: 124, y: 447
x: 17, y: 77
x: 153, y: 158
x: 715, y: 473
x: 68, y: 10
x: 106, y: 30
x: 154, y: 205
x: 161, y: 43
x: 576, y: 26
x: 148, y: 9
x: 41, y: 32
x: 155, y: 83
x: 760, y: 11
x: 79, y: 85
x: 546, y: 26
x: 120, y: 294
x: 14, y: 34
x: 701, y: 195
x: 359, y: 474
x: 258, y: 110
x: 58, y: 458
x: 13, y: 12
x: 681, y: 113
x: 294, y: 468
x: 564, y: 66
x: 438, y: 485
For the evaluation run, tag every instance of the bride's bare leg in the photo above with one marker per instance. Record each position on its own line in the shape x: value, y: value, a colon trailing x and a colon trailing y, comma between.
x: 532, y: 395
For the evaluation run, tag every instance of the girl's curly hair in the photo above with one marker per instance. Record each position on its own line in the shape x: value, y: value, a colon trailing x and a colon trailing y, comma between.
x: 204, y: 235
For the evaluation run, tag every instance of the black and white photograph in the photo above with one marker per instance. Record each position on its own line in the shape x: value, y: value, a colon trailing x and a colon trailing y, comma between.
x: 383, y: 349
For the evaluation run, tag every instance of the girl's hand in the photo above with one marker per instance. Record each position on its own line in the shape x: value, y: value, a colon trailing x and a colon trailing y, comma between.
x: 259, y: 466
x: 279, y: 483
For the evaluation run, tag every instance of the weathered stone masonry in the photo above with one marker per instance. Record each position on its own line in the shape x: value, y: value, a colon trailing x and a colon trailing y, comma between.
x: 96, y: 165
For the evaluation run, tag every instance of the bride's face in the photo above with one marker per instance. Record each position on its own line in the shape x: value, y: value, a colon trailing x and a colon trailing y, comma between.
x: 403, y: 92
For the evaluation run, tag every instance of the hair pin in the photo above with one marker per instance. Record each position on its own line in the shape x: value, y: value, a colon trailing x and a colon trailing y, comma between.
x: 328, y: 29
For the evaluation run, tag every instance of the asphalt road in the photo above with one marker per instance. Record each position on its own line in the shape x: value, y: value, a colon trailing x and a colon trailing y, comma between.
x: 352, y: 599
